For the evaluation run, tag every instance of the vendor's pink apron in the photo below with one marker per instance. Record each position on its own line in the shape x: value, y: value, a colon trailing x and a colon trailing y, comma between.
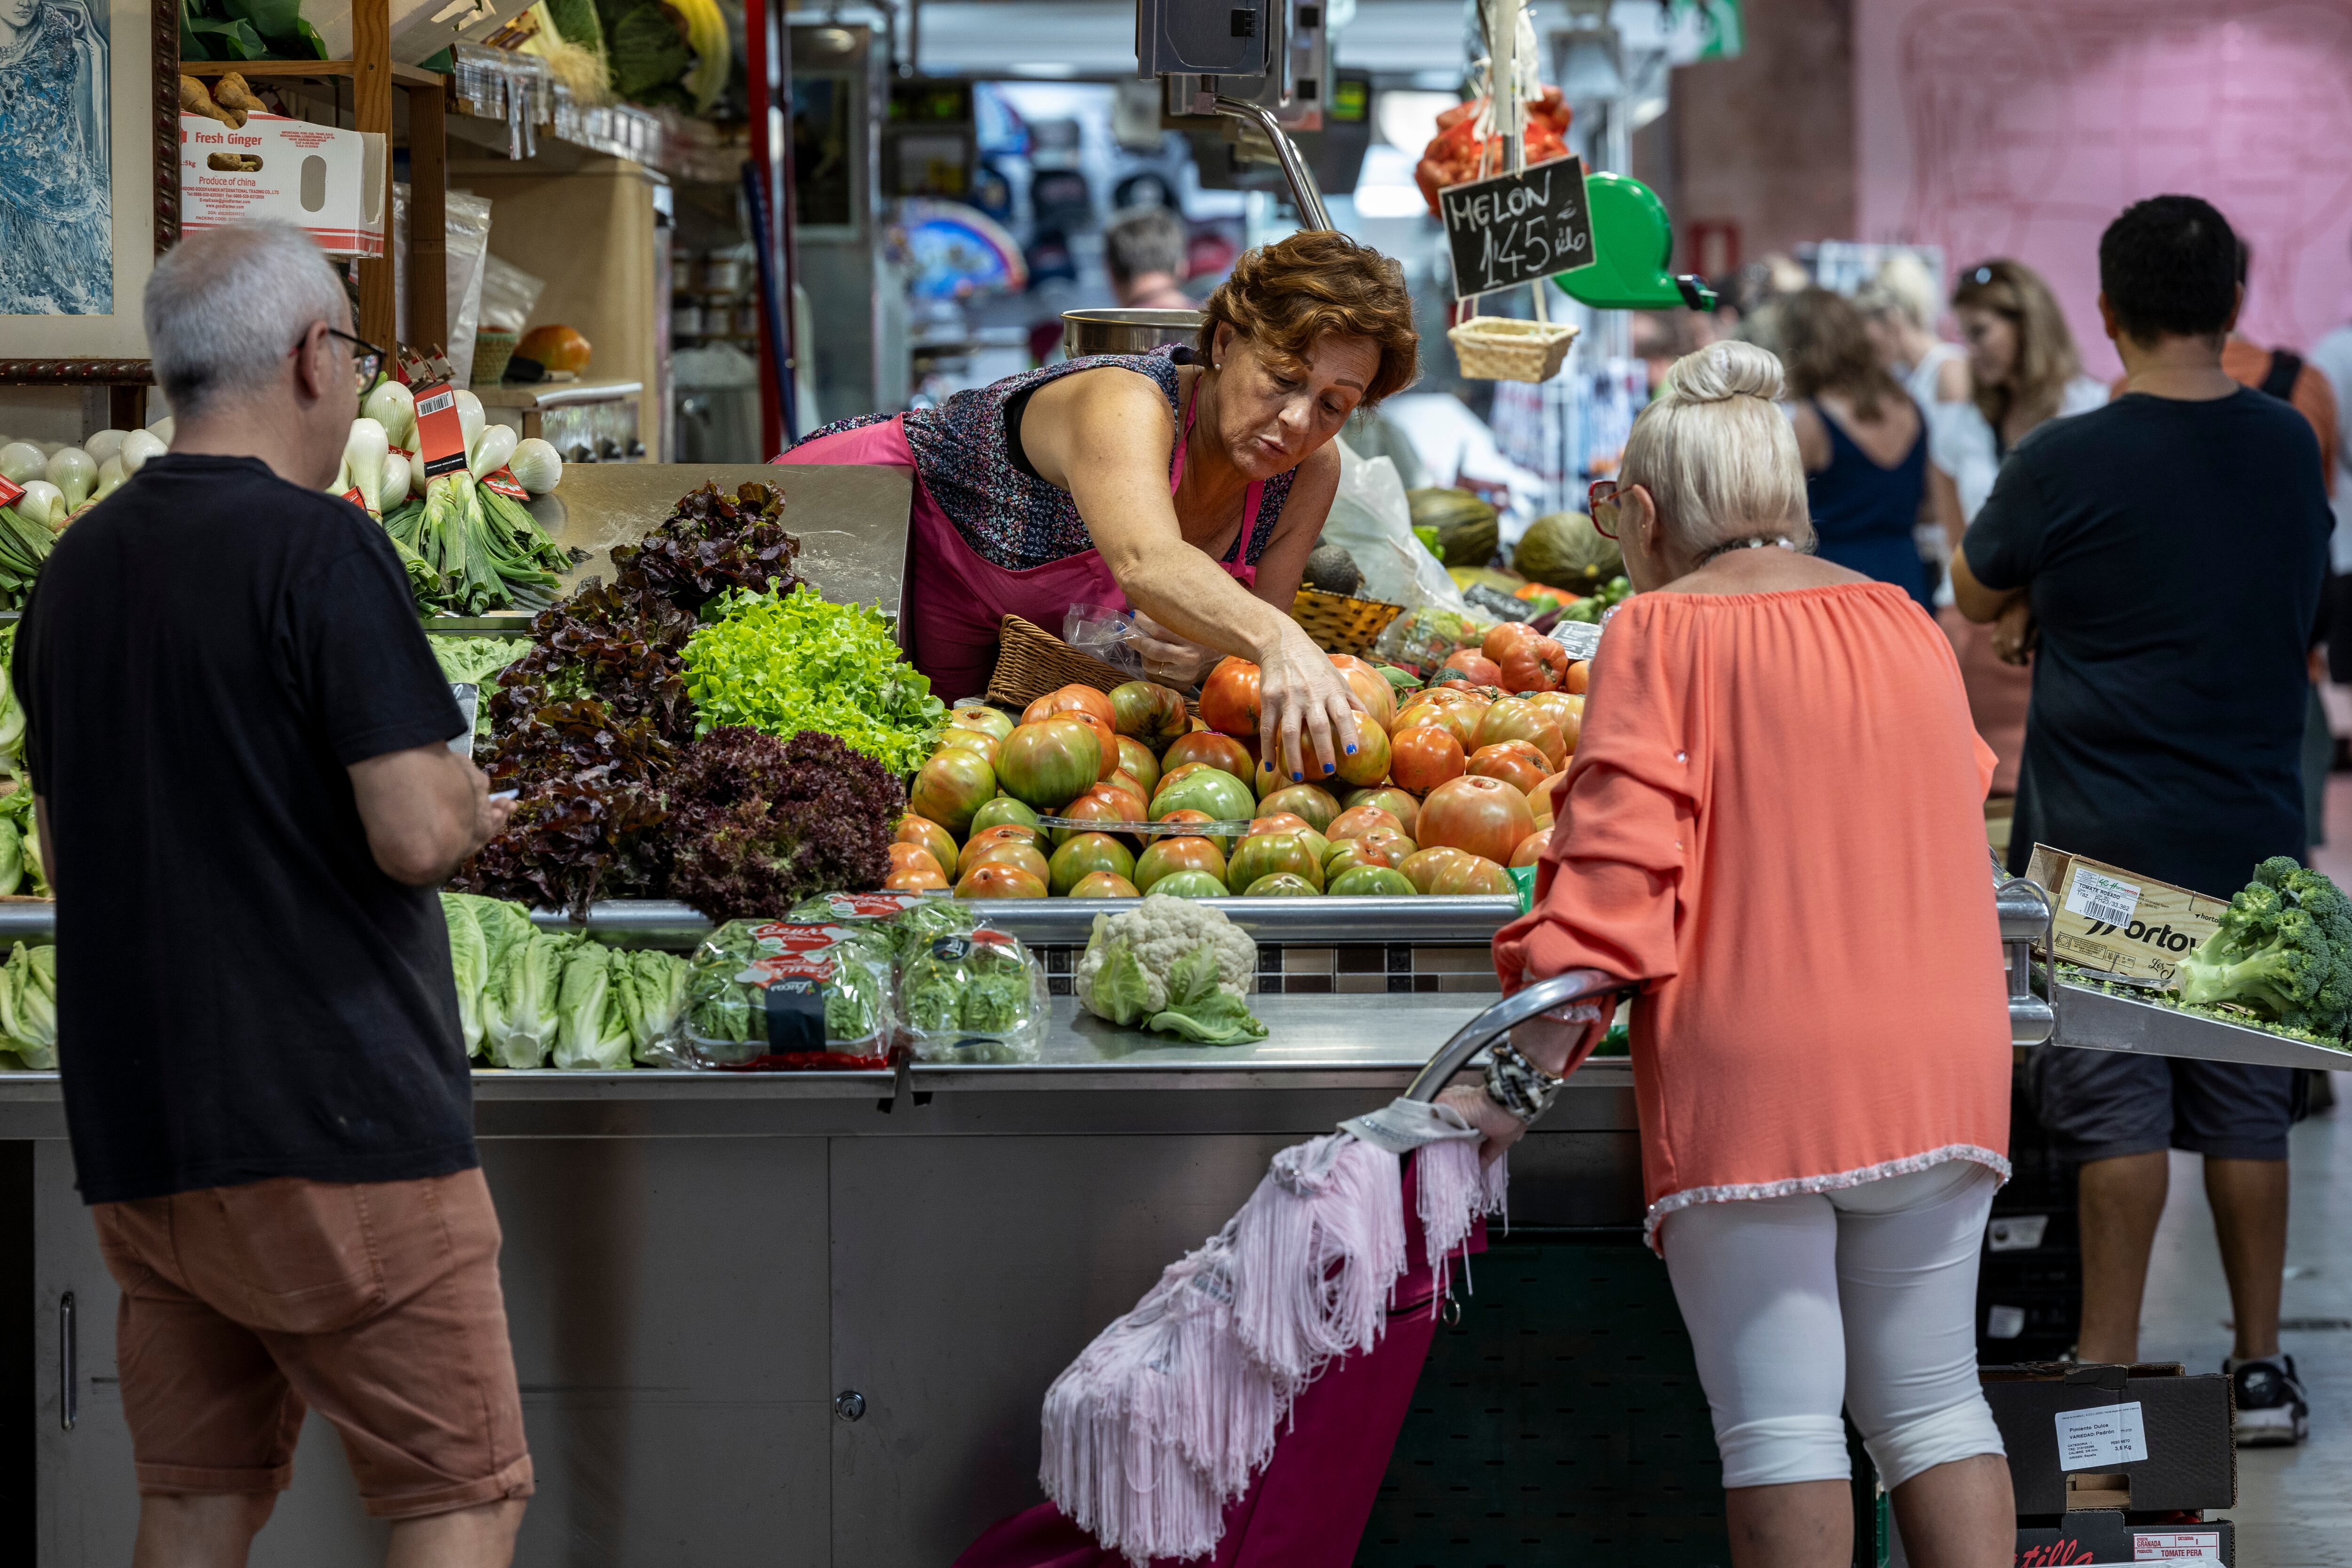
x: 1308, y: 1507
x: 955, y: 601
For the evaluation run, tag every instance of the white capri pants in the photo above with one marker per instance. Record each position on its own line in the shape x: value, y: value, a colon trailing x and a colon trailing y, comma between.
x: 1864, y: 1297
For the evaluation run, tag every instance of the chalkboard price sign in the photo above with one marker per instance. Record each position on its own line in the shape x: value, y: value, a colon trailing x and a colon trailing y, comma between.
x: 1511, y: 229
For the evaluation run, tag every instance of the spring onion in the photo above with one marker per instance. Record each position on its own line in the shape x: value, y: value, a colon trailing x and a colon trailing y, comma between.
x: 536, y: 466
x: 395, y: 482
x: 393, y: 407
x: 363, y: 455
x: 470, y: 417
x: 162, y: 428
x: 104, y: 445
x: 70, y: 469
x: 490, y: 451
x: 109, y: 478
x: 44, y: 503
x: 138, y: 447
x: 22, y: 460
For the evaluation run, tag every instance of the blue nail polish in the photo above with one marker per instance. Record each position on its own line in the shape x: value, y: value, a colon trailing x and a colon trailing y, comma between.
x: 1327, y: 767
x: 1352, y: 751
x: 1296, y: 775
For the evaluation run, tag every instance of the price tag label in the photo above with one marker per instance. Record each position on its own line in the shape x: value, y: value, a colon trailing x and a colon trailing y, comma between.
x: 2096, y: 897
x: 1514, y: 228
x: 2101, y: 1436
x: 2178, y: 1546
x: 10, y: 494
x: 440, y: 437
x: 503, y: 482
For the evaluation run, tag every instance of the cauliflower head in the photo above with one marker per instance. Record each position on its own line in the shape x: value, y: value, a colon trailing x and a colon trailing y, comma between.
x: 1124, y: 972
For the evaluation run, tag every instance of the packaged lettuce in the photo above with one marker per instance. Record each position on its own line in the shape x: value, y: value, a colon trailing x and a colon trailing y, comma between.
x: 773, y: 987
x: 974, y: 998
x: 908, y: 922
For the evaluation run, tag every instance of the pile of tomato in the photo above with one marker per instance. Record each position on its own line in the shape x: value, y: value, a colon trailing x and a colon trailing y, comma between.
x: 1457, y: 154
x: 1442, y: 793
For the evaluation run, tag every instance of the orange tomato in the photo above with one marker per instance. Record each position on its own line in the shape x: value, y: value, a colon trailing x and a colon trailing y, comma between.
x: 1424, y: 757
x: 1229, y: 698
x: 1373, y: 689
x: 1460, y: 719
x: 914, y: 879
x: 1482, y: 816
x: 1517, y: 719
x: 931, y: 836
x: 1535, y: 664
x: 1280, y: 822
x: 1481, y: 670
x: 1515, y: 763
x: 1071, y: 698
x: 1423, y: 868
x: 1565, y: 711
x: 1580, y: 675
x: 1392, y: 799
x: 904, y: 856
x: 1531, y: 848
x: 1362, y: 819
x: 1506, y: 636
x: 996, y: 879
x: 1221, y: 751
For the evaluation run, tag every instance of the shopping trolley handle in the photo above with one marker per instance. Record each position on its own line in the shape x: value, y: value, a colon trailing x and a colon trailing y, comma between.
x: 1504, y: 1016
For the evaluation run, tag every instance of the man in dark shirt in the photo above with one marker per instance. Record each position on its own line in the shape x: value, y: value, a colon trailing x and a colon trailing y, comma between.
x: 238, y: 744
x: 2172, y: 546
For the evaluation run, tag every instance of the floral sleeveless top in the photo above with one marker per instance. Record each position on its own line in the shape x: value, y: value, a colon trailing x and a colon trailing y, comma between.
x: 1008, y: 515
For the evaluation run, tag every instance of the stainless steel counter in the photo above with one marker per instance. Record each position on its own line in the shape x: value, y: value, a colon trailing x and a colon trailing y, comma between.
x: 696, y: 1264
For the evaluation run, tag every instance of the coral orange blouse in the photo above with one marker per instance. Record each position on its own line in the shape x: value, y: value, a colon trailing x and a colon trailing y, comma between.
x: 1774, y: 822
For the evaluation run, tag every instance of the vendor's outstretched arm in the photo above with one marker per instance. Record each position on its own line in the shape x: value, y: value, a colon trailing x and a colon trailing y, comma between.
x: 1113, y: 450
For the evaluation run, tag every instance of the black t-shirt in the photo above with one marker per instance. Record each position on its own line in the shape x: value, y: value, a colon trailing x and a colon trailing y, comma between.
x: 241, y: 993
x: 2173, y: 551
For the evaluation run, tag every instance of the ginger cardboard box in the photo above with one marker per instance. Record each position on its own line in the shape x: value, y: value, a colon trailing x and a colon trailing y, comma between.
x: 328, y: 182
x: 2118, y: 922
x: 2138, y: 1439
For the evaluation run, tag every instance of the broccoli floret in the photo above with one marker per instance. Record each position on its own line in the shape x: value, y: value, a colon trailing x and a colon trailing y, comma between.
x: 2283, y: 950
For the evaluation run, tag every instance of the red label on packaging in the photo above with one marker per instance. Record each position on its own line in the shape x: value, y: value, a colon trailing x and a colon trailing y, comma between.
x: 354, y: 496
x: 10, y: 494
x: 785, y: 965
x: 440, y: 436
x: 871, y: 906
x: 795, y: 936
x: 503, y: 482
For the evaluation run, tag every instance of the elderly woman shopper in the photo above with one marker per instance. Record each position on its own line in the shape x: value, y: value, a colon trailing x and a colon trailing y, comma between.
x: 1772, y: 828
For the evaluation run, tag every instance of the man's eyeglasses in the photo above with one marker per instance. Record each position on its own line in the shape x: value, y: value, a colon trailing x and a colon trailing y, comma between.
x: 1600, y: 506
x: 366, y: 358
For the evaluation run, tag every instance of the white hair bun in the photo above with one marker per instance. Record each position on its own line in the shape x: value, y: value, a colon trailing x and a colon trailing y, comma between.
x: 1724, y: 371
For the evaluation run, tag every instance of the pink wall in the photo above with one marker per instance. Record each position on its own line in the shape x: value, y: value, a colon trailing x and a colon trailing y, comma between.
x: 2022, y: 127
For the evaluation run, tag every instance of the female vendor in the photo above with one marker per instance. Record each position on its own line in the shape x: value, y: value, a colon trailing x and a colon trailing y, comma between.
x: 1187, y: 485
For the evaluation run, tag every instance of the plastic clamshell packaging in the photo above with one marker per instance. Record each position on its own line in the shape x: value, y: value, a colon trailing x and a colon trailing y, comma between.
x: 836, y: 973
x: 976, y: 997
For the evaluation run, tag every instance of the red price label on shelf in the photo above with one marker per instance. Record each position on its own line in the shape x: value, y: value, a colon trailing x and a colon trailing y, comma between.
x: 440, y: 436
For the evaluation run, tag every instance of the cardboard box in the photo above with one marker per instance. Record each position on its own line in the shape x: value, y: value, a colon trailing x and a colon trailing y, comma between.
x: 2103, y: 1536
x: 2119, y: 922
x: 328, y: 182
x: 2185, y: 1421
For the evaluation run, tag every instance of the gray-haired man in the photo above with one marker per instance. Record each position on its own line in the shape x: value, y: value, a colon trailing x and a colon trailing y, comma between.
x: 237, y: 740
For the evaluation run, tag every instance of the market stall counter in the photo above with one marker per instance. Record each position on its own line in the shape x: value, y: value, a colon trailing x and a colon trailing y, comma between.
x: 804, y: 1318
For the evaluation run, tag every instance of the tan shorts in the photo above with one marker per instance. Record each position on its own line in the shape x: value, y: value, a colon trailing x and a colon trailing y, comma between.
x: 376, y: 1303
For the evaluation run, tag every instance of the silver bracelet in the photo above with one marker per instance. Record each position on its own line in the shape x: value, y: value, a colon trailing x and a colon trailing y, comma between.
x: 1517, y: 1085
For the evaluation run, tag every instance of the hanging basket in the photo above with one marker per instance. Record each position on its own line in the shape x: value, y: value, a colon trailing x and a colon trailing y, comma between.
x: 1501, y: 348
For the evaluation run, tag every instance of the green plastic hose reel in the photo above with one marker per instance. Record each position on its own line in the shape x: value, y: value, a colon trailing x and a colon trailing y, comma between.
x: 1632, y: 247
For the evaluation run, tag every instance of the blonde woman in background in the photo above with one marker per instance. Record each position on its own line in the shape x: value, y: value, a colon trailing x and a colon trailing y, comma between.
x: 2024, y: 371
x: 1768, y: 734
x: 1902, y: 304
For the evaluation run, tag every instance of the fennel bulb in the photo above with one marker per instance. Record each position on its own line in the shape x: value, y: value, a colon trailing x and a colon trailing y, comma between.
x: 470, y: 417
x: 104, y: 445
x: 489, y: 451
x: 22, y: 460
x: 44, y: 503
x: 363, y: 455
x: 110, y: 477
x: 138, y: 447
x: 395, y: 482
x: 393, y: 407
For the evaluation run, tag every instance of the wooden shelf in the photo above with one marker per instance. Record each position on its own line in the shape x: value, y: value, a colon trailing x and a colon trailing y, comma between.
x: 320, y: 70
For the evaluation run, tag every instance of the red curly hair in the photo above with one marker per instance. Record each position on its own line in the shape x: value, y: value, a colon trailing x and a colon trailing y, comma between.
x: 1286, y: 296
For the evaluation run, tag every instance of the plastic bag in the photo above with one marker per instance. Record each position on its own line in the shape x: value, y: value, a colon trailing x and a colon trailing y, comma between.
x: 468, y: 231
x: 1420, y: 640
x: 1370, y: 517
x: 1107, y: 634
x: 786, y: 989
x: 508, y: 295
x: 979, y: 997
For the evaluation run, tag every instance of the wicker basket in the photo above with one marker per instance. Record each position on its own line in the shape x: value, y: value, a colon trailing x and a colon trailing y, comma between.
x: 1031, y: 661
x: 492, y: 348
x: 1342, y: 625
x: 1502, y: 348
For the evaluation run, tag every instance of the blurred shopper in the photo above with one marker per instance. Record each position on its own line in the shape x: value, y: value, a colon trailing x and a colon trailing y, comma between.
x: 2332, y: 356
x: 2282, y: 373
x: 1864, y: 443
x: 2023, y: 371
x: 1820, y: 1206
x: 1901, y: 303
x: 1144, y: 250
x: 264, y: 1085
x: 2154, y: 627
